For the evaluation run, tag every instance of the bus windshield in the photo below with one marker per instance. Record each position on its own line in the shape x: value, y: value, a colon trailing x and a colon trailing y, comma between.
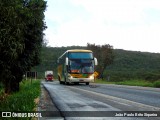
x: 81, y: 66
x: 80, y: 55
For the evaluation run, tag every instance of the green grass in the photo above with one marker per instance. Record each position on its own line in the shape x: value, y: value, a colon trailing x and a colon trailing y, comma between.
x: 143, y: 83
x: 22, y: 100
x: 157, y: 84
x: 104, y: 81
x: 134, y: 82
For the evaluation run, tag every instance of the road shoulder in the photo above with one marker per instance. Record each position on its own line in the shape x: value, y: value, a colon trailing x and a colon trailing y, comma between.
x: 47, y: 107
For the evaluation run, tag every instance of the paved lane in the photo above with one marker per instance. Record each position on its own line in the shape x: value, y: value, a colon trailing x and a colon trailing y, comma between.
x: 144, y: 95
x: 96, y: 100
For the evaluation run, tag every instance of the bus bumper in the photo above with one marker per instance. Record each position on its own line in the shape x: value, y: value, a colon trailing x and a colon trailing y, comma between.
x: 80, y: 80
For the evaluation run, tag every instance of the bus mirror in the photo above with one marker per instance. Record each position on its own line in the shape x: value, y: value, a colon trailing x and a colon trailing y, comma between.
x: 95, y: 61
x: 66, y: 61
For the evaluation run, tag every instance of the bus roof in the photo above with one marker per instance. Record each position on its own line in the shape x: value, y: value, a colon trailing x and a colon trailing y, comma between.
x: 74, y: 50
x: 79, y: 50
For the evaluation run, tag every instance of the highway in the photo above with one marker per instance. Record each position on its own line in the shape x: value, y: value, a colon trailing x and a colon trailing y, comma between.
x: 105, y: 102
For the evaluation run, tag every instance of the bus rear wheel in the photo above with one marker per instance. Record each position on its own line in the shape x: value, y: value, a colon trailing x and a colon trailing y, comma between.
x: 59, y: 79
x: 61, y: 82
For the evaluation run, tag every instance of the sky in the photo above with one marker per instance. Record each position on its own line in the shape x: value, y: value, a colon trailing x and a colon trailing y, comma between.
x: 124, y: 24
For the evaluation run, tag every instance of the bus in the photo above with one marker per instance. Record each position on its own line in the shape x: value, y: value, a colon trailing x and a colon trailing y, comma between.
x: 76, y: 66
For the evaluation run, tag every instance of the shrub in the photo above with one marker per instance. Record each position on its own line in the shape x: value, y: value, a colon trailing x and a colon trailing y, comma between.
x: 157, y: 84
x: 23, y: 100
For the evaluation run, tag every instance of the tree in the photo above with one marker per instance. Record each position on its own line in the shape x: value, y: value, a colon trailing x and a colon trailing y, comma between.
x: 104, y: 54
x: 11, y: 42
x: 21, y: 36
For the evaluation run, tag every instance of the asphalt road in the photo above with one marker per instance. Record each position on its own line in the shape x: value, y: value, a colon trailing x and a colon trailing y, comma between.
x: 105, y: 102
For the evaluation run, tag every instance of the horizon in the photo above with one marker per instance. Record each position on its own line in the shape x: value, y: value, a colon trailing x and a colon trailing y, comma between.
x: 113, y: 48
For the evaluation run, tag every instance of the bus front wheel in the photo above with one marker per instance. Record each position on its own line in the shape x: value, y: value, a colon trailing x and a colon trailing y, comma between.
x: 87, y: 83
x: 66, y: 83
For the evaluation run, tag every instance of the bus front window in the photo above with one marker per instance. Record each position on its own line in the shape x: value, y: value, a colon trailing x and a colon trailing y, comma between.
x: 87, y: 66
x: 81, y: 66
x: 75, y: 66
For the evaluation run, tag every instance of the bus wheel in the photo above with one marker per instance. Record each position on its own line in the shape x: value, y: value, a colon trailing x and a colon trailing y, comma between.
x: 87, y: 83
x: 60, y: 82
x: 76, y: 83
x: 67, y: 83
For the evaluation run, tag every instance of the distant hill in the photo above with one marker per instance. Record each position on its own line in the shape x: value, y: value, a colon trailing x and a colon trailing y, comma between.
x: 134, y: 65
x: 126, y: 65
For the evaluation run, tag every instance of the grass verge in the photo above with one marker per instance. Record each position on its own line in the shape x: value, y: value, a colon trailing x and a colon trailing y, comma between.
x: 23, y: 101
x: 134, y: 82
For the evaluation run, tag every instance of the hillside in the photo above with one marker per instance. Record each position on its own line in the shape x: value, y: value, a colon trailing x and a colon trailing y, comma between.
x: 126, y: 65
x: 134, y: 65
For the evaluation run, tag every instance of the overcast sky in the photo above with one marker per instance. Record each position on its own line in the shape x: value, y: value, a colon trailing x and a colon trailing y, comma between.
x: 124, y: 24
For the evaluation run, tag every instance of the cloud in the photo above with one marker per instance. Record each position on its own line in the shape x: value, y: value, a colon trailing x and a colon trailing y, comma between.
x: 126, y: 24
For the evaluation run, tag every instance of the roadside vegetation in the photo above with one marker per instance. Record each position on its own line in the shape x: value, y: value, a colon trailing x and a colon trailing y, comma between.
x: 21, y: 38
x: 22, y: 101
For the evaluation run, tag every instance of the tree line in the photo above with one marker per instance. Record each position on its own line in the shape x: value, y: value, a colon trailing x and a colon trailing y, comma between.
x: 21, y: 36
x: 123, y: 64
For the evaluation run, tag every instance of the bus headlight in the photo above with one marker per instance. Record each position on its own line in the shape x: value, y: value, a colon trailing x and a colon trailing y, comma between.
x: 70, y: 76
x: 91, y: 76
